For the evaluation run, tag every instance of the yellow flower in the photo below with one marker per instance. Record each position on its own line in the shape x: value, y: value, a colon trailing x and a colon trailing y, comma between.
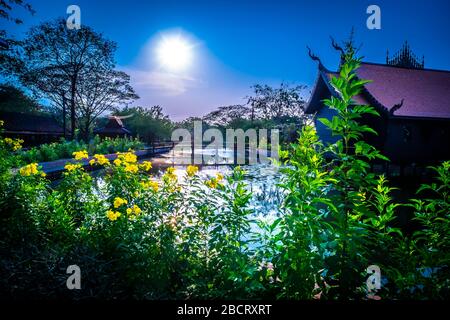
x: 191, y: 170
x: 117, y: 162
x: 101, y: 159
x: 43, y: 174
x: 212, y: 183
x: 113, y: 215
x: 119, y: 201
x: 132, y: 168
x: 154, y: 185
x: 128, y: 157
x: 80, y: 155
x: 170, y: 170
x: 136, y: 210
x: 150, y: 184
x: 92, y: 162
x: 146, y: 165
x: 170, y: 175
x: 28, y: 170
x: 16, y: 144
x: 72, y: 166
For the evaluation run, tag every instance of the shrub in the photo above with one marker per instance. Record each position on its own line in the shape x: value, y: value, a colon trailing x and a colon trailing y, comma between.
x: 64, y: 149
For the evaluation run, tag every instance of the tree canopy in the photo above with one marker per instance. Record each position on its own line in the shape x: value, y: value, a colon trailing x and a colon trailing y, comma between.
x: 151, y: 124
x: 75, y: 66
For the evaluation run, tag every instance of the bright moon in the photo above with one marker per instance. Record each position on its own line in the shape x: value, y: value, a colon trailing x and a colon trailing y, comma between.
x: 174, y: 53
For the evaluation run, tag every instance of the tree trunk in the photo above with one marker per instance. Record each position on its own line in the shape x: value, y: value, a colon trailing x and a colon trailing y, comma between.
x: 72, y: 107
x: 86, y: 129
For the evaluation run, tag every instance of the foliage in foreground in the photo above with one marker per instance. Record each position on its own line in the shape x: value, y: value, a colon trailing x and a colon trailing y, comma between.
x: 134, y: 236
x: 64, y: 149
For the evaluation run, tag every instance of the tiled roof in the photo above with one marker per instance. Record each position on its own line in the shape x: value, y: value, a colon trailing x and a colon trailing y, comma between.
x: 31, y: 123
x: 114, y: 126
x: 425, y: 92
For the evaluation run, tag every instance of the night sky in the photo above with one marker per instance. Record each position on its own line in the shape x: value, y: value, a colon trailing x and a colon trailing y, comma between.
x: 236, y: 44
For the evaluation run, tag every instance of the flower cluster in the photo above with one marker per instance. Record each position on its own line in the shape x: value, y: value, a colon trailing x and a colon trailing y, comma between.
x: 72, y: 166
x: 146, y: 165
x: 100, y: 159
x: 215, y: 181
x: 131, y: 167
x: 30, y: 170
x: 15, y: 144
x: 128, y: 160
x: 128, y: 157
x: 134, y: 211
x: 150, y: 184
x: 80, y: 155
x: 191, y: 170
x: 113, y: 215
x: 117, y: 162
x: 119, y: 202
x: 170, y: 175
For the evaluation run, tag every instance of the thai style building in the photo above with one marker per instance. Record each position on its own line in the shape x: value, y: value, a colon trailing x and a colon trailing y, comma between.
x: 414, y: 104
x: 34, y: 129
x: 113, y: 128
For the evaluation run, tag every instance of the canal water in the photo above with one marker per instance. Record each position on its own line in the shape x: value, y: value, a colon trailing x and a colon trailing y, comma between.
x: 261, y: 180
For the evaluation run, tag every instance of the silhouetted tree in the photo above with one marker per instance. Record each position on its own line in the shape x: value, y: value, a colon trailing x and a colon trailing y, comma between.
x: 10, y: 62
x: 14, y: 99
x: 99, y: 91
x: 227, y: 114
x: 268, y: 102
x: 57, y: 58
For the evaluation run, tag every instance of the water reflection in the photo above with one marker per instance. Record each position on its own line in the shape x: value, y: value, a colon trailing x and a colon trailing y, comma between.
x: 261, y: 179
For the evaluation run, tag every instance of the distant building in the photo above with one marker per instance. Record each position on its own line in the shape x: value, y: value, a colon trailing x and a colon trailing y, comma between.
x: 114, y: 128
x: 414, y: 103
x: 34, y: 129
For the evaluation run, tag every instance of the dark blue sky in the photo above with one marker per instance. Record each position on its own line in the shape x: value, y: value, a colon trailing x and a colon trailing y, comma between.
x: 240, y: 43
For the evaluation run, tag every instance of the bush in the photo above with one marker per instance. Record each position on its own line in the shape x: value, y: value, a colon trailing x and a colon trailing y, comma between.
x: 64, y: 149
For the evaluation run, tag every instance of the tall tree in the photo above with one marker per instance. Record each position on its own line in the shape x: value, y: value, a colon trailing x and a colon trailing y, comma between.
x: 56, y: 58
x: 14, y: 99
x: 268, y: 102
x: 10, y: 62
x: 99, y: 91
x: 6, y: 6
x: 226, y: 114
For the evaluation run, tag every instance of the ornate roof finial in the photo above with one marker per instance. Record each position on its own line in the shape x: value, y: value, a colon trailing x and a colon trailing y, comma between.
x: 315, y: 58
x: 396, y: 107
x: 405, y: 58
x: 336, y: 46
